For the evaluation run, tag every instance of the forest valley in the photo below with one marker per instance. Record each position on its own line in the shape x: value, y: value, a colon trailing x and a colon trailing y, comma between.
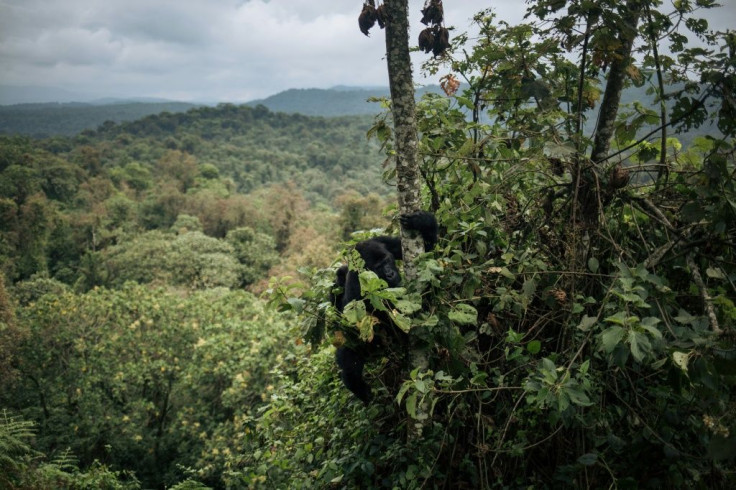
x: 165, y: 290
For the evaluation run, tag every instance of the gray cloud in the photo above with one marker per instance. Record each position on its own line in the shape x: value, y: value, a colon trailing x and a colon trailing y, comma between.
x: 223, y: 50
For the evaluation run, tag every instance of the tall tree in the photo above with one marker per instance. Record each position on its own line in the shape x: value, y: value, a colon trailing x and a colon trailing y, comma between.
x: 405, y: 127
x: 394, y: 16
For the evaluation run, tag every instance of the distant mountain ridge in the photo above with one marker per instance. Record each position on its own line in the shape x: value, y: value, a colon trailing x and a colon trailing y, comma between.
x: 336, y: 101
x: 17, y: 95
x: 323, y: 102
x: 70, y: 118
x: 13, y: 94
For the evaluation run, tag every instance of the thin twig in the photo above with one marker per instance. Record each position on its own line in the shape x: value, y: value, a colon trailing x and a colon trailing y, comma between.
x: 707, y: 301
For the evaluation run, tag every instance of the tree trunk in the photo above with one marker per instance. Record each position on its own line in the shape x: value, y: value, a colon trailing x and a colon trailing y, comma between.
x: 405, y: 125
x: 407, y: 167
x: 589, y: 185
x: 615, y: 82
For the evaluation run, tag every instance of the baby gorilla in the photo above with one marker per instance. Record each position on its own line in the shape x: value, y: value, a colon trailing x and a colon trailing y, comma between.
x: 380, y: 255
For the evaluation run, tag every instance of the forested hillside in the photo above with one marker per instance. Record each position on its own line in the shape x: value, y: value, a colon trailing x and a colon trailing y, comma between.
x: 172, y: 289
x: 142, y: 228
x: 69, y: 203
x: 69, y: 119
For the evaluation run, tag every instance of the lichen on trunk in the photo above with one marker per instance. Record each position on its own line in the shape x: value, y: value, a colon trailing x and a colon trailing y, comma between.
x: 405, y: 127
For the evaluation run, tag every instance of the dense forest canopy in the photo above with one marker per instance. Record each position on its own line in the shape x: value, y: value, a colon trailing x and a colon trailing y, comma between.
x: 576, y: 317
x: 45, y: 120
x: 206, y: 201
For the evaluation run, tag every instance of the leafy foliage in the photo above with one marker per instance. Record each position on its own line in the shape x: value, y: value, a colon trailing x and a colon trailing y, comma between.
x: 70, y: 205
x: 141, y: 378
x: 577, y: 318
x: 21, y: 467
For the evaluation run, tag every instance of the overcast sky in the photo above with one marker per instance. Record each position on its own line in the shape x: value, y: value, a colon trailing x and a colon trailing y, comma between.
x: 208, y: 50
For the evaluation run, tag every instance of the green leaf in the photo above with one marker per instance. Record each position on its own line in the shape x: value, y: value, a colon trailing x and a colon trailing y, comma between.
x: 297, y: 304
x: 411, y: 405
x: 588, y: 459
x: 649, y: 324
x: 513, y: 336
x: 465, y: 102
x: 505, y: 272
x: 354, y: 312
x: 463, y: 314
x: 715, y: 273
x: 549, y: 365
x: 587, y: 322
x: 585, y: 367
x: 620, y: 318
x: 639, y: 345
x: 559, y: 151
x: 686, y: 318
x: 466, y: 148
x: 593, y: 264
x: 401, y: 321
x: 404, y: 388
x: 421, y: 386
x: 365, y: 327
x: 578, y: 397
x: 611, y: 337
x: 408, y: 307
x: 529, y: 288
x: 534, y: 346
x: 479, y: 379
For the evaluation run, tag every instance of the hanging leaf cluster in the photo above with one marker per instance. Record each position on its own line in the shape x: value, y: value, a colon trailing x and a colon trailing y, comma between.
x: 436, y: 37
x: 433, y: 13
x: 370, y: 15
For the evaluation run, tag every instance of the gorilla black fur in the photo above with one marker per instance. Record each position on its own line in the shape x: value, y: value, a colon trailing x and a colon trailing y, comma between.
x: 380, y: 255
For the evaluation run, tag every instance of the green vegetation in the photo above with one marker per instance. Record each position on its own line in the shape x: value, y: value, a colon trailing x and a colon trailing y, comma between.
x: 130, y: 352
x: 577, y: 316
x: 141, y: 378
x: 221, y: 189
x: 44, y: 120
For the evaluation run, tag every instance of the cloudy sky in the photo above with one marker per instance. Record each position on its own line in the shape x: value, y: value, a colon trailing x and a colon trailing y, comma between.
x: 207, y: 50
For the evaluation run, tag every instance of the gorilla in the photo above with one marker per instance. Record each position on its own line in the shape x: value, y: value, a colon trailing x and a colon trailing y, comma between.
x: 380, y: 255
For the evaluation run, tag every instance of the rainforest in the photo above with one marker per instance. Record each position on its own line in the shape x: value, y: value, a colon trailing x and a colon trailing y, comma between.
x: 167, y: 284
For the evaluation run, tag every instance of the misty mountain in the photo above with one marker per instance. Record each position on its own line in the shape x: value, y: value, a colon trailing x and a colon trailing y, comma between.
x: 12, y: 94
x: 68, y: 119
x: 336, y: 101
x: 40, y: 120
x: 16, y: 95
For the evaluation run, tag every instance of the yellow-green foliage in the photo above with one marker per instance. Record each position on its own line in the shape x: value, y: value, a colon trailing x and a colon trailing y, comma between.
x: 142, y: 378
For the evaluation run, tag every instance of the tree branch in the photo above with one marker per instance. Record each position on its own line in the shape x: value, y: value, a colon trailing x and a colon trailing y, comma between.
x: 707, y: 300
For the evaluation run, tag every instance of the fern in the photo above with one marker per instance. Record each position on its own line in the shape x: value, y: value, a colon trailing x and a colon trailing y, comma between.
x: 15, y: 449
